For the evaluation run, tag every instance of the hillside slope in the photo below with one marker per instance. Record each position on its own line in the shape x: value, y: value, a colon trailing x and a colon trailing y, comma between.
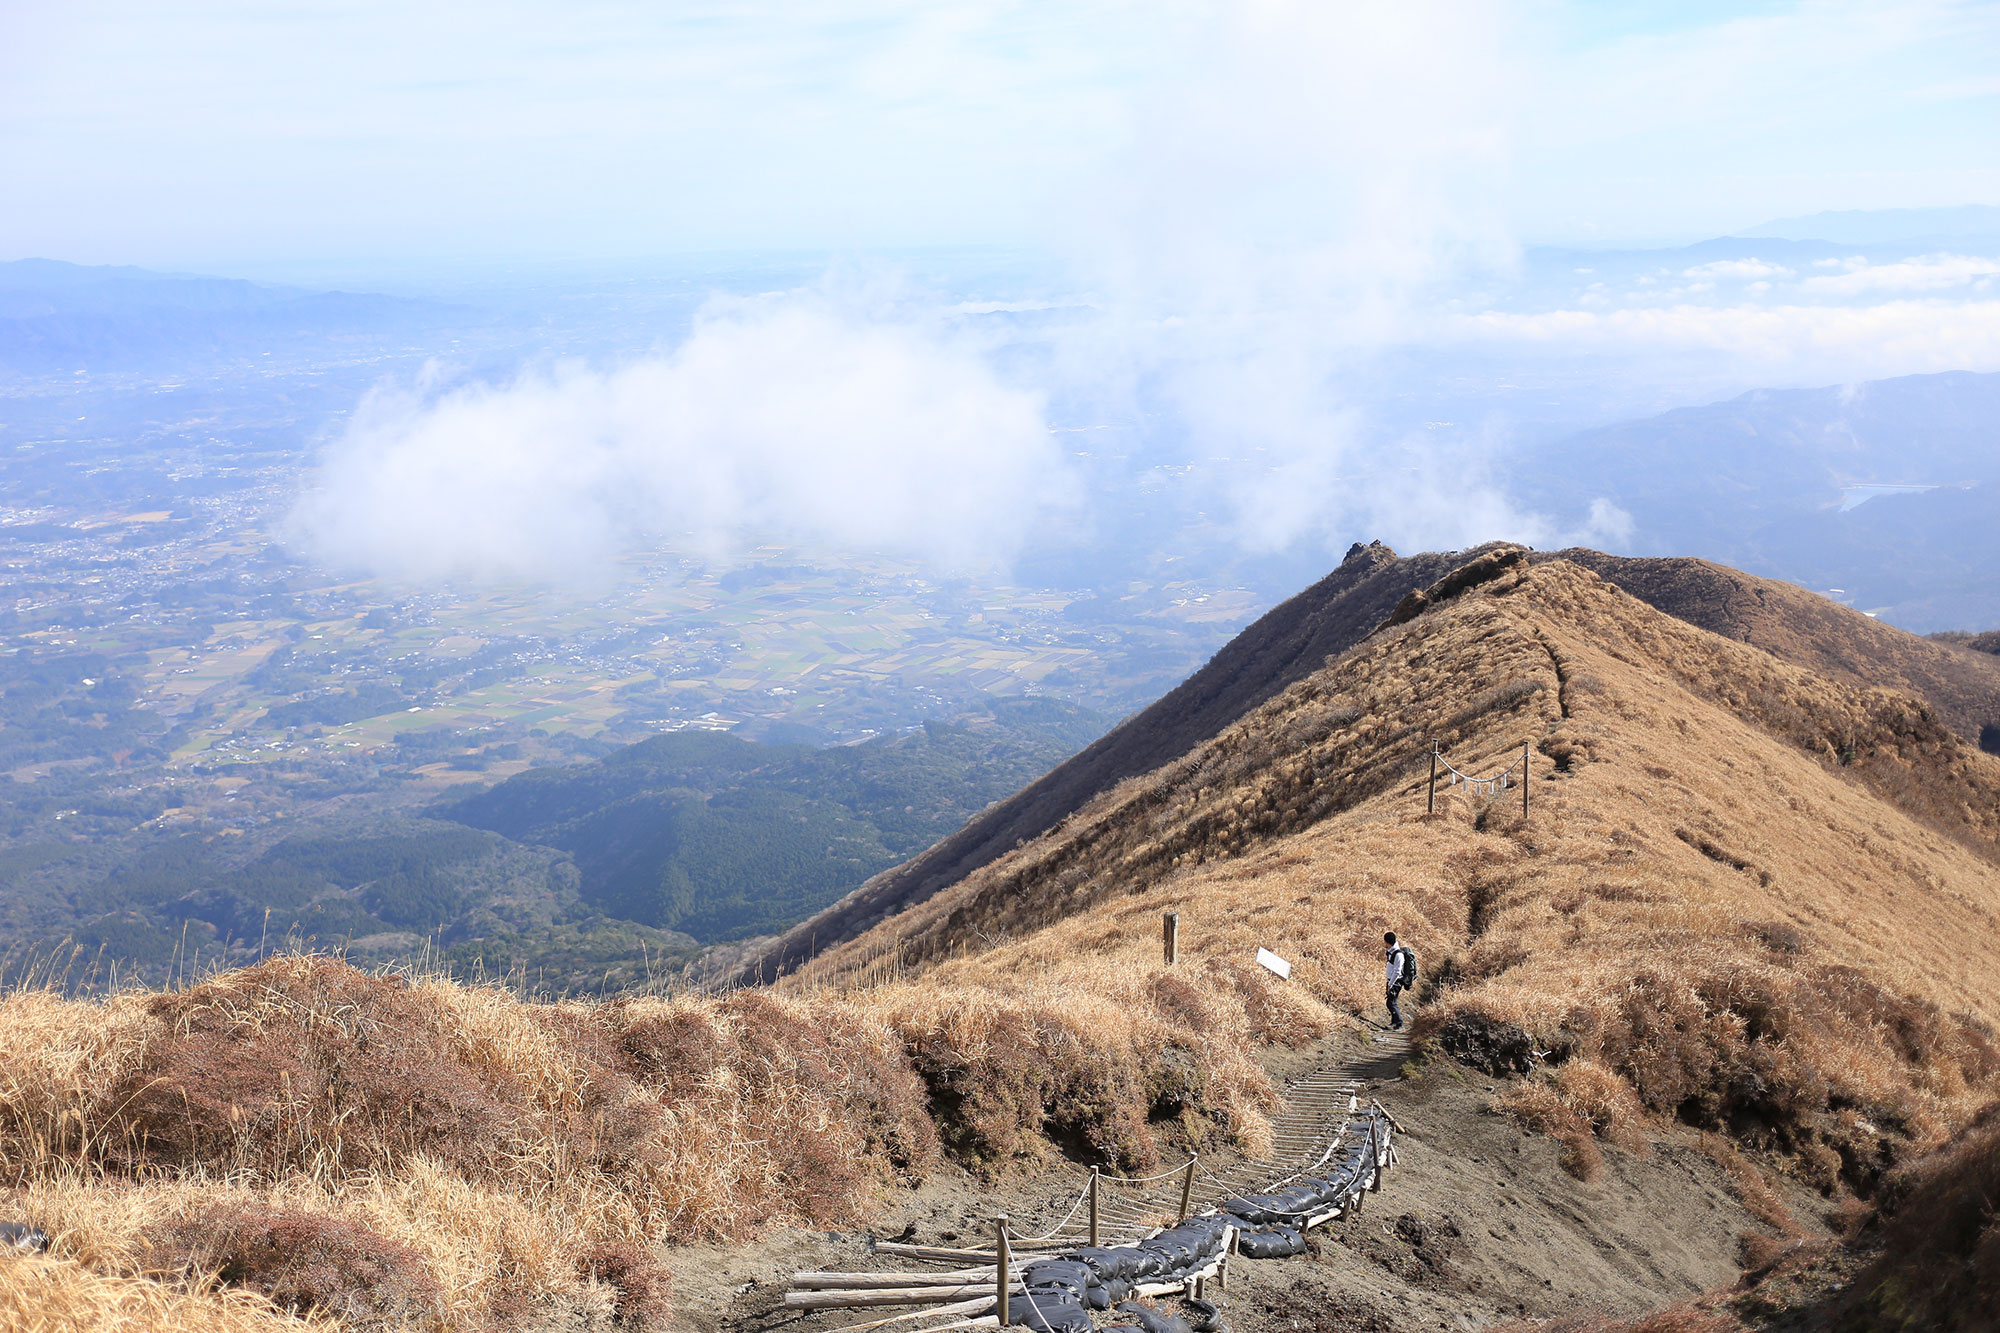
x: 1289, y: 642
x: 1751, y: 896
x: 1297, y: 637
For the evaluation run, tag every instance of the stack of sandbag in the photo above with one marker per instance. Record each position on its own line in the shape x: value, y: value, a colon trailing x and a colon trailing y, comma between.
x: 1061, y: 1292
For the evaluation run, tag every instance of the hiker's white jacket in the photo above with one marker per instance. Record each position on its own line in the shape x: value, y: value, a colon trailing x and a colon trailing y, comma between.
x: 1395, y: 966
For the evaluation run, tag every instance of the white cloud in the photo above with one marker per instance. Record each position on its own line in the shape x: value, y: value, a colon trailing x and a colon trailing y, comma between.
x: 1742, y: 269
x: 1771, y: 344
x: 1930, y: 273
x: 796, y: 417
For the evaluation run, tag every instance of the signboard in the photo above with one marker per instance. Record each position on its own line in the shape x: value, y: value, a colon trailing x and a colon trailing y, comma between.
x: 1271, y: 962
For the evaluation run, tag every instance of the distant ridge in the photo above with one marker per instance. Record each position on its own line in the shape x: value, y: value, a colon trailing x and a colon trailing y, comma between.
x: 1288, y: 643
x: 1878, y: 226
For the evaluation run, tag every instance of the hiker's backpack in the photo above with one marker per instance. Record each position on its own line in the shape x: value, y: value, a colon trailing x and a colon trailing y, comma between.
x: 1408, y: 976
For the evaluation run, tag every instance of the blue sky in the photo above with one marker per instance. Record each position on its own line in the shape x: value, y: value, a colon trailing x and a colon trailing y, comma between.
x: 207, y: 133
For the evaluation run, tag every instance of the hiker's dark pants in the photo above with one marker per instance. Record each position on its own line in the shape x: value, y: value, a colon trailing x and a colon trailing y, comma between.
x: 1395, y: 1014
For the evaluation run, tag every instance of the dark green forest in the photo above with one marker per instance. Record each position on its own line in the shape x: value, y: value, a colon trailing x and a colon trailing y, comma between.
x: 722, y: 838
x: 584, y: 877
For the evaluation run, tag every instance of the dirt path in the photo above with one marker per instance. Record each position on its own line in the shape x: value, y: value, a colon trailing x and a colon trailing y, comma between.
x: 1478, y: 1223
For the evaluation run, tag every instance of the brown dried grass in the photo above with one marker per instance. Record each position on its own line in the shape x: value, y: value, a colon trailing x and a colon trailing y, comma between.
x: 386, y: 1152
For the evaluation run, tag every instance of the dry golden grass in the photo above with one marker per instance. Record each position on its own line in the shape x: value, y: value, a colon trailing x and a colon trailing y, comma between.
x: 43, y: 1295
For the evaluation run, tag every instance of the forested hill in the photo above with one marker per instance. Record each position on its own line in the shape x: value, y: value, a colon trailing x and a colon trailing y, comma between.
x: 724, y: 838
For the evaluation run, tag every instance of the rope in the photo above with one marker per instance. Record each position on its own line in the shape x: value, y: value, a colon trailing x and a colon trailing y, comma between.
x: 1457, y: 776
x: 1051, y: 1234
x: 1147, y: 1180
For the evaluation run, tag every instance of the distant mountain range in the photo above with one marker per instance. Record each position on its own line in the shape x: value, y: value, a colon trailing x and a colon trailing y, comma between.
x: 1877, y: 226
x: 1881, y: 494
x: 60, y: 318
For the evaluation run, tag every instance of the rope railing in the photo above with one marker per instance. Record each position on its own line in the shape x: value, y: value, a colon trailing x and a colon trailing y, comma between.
x: 1490, y: 785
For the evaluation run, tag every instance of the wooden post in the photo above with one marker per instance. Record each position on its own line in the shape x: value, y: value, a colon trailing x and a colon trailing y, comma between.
x: 1187, y: 1190
x: 1375, y: 1154
x: 1431, y: 806
x: 1093, y: 1206
x: 1170, y: 934
x: 1002, y: 1276
x: 1524, y: 779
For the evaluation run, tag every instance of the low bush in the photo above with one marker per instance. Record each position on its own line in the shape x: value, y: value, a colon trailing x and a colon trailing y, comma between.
x: 304, y: 1262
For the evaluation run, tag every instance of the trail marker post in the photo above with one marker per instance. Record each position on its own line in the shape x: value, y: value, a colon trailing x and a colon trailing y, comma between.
x: 1524, y: 779
x: 1093, y: 1206
x: 1170, y: 936
x: 1001, y: 1257
x: 1187, y: 1191
x: 1431, y: 806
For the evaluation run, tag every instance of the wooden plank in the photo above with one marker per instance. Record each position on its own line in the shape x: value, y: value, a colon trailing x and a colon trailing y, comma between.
x: 947, y: 1254
x: 948, y: 1278
x: 842, y: 1300
x: 930, y: 1312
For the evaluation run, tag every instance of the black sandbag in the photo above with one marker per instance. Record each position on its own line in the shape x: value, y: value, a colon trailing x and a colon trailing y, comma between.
x: 1050, y: 1310
x: 1271, y: 1243
x: 1152, y: 1321
x: 1206, y: 1316
x: 1098, y: 1297
x: 1065, y: 1274
x: 1115, y: 1290
x: 1116, y: 1261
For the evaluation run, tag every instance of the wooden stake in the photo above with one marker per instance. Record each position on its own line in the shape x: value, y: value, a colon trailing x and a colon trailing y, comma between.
x: 1524, y: 779
x: 1375, y: 1154
x: 1431, y: 807
x: 1187, y: 1190
x: 1170, y: 931
x: 1004, y: 1285
x: 1093, y: 1206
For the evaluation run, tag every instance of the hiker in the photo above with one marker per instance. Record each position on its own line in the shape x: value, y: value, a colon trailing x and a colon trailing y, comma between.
x: 1400, y: 976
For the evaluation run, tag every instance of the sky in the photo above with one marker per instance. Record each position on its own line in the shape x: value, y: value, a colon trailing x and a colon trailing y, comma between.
x: 1247, y: 207
x: 206, y: 133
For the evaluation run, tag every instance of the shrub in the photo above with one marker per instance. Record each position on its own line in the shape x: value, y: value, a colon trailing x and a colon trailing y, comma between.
x: 304, y: 1262
x: 642, y: 1282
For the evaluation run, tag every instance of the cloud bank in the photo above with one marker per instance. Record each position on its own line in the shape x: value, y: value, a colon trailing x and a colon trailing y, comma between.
x: 1298, y: 193
x: 788, y: 418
